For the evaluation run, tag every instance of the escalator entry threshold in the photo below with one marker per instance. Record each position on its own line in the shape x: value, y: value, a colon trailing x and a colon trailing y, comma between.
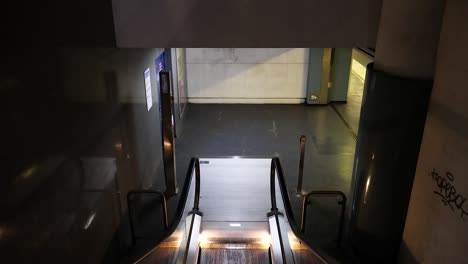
x: 234, y: 253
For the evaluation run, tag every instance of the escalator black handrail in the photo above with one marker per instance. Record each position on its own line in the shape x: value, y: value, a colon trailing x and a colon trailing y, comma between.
x: 183, y: 196
x: 274, y: 207
x: 342, y: 202
x: 196, y: 200
x: 179, y: 211
x: 130, y: 195
x: 289, y: 212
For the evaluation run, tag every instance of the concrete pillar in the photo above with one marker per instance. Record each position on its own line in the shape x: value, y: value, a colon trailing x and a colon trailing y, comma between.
x: 408, y: 37
x: 436, y: 231
x: 395, y: 99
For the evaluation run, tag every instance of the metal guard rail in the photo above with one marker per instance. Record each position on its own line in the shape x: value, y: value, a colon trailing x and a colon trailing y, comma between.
x: 130, y: 196
x: 289, y: 212
x: 341, y: 202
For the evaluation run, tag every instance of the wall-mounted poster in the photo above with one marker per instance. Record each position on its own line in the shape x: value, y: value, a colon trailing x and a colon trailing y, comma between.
x: 149, y: 97
x: 181, y: 77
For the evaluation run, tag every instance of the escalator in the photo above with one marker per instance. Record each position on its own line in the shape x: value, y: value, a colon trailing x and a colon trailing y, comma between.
x: 234, y: 210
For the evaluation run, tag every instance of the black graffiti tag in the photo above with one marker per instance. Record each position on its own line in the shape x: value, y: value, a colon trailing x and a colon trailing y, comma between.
x: 447, y: 192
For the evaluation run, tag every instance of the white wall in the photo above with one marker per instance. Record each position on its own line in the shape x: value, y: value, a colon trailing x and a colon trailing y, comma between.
x: 247, y: 75
x: 359, y: 63
x: 437, y: 231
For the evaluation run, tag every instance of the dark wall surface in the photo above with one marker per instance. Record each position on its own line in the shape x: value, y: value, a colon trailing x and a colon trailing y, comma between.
x: 85, y: 23
x: 76, y: 137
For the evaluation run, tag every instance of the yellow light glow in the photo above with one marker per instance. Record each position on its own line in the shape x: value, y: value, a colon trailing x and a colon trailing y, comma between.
x: 118, y: 146
x: 265, y: 238
x: 171, y: 244
x: 6, y: 232
x: 203, y: 240
x: 167, y: 144
x: 295, y: 243
x: 26, y: 174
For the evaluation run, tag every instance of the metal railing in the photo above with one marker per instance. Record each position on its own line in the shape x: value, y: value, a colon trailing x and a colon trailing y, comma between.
x: 130, y: 199
x: 179, y: 213
x: 341, y: 202
x: 306, y: 196
x: 131, y: 194
x: 302, y: 141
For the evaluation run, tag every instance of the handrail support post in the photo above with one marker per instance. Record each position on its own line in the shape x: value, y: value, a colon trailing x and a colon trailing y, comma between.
x: 299, y: 191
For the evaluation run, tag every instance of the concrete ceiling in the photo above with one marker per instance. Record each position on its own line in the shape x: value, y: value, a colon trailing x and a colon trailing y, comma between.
x: 246, y: 23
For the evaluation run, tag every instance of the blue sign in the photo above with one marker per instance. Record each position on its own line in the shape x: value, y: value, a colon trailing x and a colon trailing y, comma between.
x: 160, y: 64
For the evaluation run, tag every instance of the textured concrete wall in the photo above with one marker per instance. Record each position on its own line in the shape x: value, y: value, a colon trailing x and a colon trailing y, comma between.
x: 260, y: 23
x: 407, y: 37
x: 247, y: 75
x: 436, y: 228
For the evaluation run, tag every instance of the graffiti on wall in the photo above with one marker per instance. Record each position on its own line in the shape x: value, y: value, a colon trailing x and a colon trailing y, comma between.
x: 447, y: 192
